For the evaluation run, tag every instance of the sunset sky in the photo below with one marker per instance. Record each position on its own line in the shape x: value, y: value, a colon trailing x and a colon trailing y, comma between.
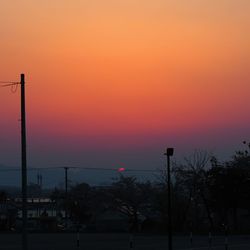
x: 111, y: 81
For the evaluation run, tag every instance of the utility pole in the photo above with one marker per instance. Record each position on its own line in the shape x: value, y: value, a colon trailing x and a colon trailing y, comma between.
x: 66, y: 196
x: 170, y: 152
x: 23, y: 156
x: 24, y: 166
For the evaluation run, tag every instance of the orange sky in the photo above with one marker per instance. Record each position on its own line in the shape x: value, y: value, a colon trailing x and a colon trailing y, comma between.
x: 125, y: 74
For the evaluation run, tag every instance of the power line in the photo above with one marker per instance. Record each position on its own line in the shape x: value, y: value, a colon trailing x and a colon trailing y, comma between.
x: 9, y: 82
x: 6, y: 84
x: 80, y: 168
x: 13, y: 85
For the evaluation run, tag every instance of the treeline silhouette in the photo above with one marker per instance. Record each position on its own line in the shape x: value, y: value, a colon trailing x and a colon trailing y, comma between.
x: 207, y: 196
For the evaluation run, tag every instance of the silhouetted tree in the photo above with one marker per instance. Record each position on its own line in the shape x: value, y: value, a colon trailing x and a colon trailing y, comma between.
x: 229, y: 186
x: 131, y: 198
x: 79, y: 202
x: 192, y: 177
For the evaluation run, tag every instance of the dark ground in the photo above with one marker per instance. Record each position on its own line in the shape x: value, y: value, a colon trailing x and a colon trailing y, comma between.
x: 67, y: 241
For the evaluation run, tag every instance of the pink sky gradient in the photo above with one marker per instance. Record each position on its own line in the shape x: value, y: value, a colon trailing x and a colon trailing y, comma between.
x: 124, y: 79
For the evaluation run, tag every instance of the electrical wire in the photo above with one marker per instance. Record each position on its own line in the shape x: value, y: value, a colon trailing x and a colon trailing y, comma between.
x: 80, y: 168
x: 13, y: 85
x: 5, y: 83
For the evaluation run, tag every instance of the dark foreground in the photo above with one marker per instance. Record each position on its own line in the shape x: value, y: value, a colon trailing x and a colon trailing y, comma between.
x: 68, y: 241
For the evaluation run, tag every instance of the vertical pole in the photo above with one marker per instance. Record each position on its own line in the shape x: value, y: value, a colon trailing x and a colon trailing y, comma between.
x: 78, y: 236
x: 131, y: 241
x: 191, y: 239
x: 66, y: 197
x: 38, y: 185
x: 210, y: 240
x: 38, y: 179
x: 24, y: 165
x: 169, y: 206
x: 41, y: 182
x: 226, y: 237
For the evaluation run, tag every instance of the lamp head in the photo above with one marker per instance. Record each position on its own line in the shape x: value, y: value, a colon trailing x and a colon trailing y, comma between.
x: 169, y: 152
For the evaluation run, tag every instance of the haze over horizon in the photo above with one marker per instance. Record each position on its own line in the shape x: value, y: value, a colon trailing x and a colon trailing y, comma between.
x: 111, y: 82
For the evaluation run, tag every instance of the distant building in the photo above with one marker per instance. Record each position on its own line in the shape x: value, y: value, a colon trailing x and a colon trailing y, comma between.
x: 43, y: 214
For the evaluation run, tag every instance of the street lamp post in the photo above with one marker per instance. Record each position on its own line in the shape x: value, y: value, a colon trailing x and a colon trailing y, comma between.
x: 169, y: 152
